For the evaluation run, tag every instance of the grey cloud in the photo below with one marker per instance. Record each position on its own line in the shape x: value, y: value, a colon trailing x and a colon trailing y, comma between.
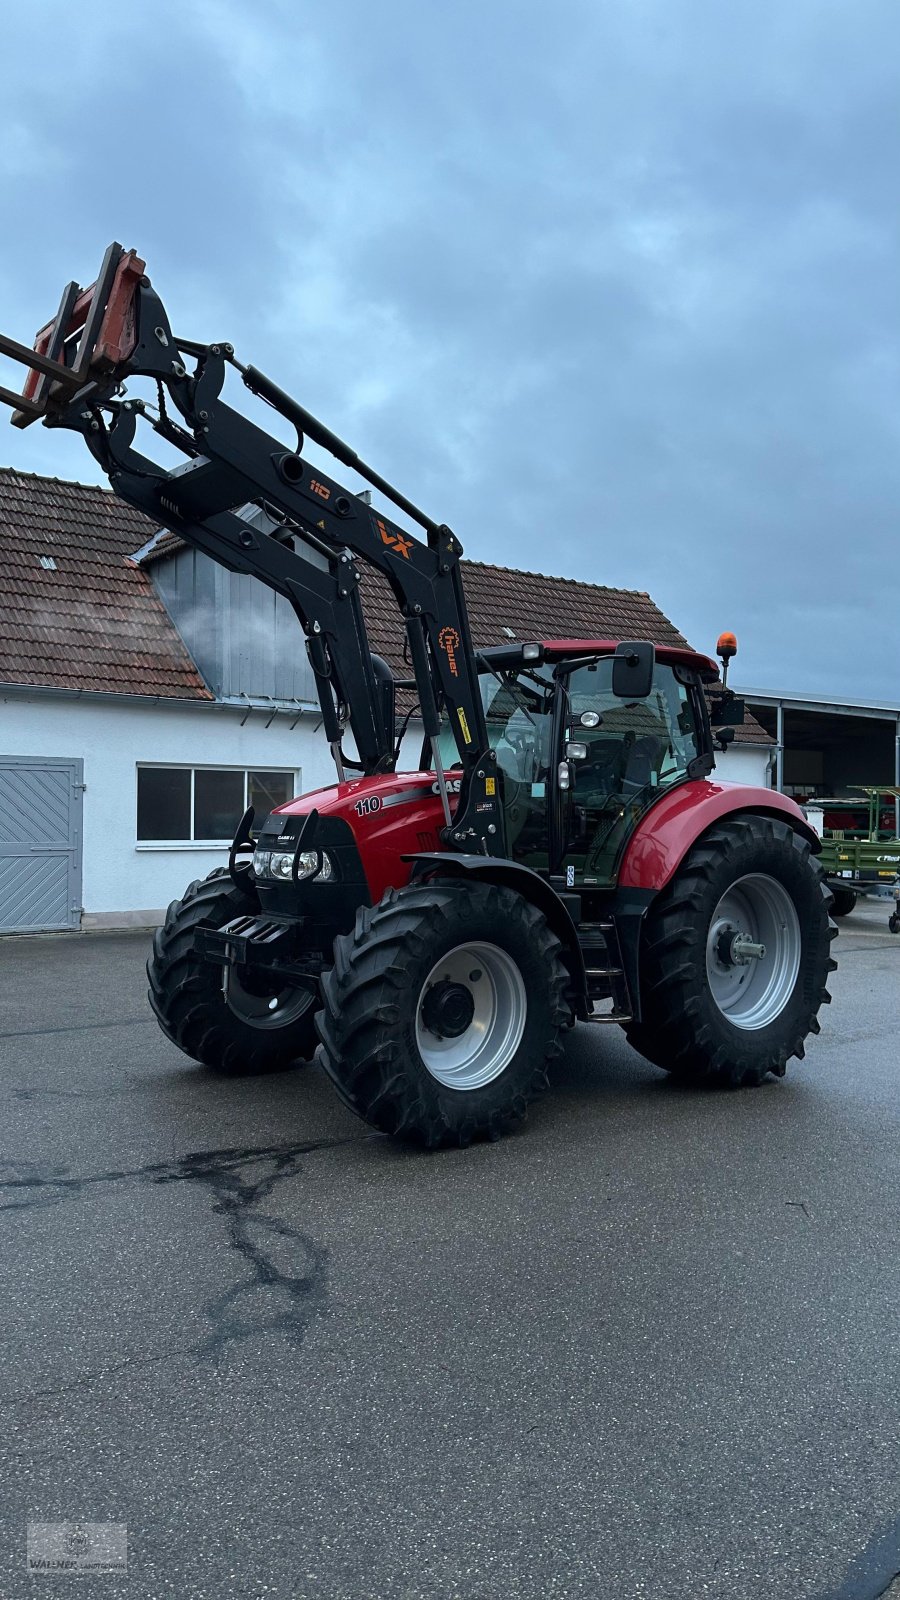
x: 612, y: 287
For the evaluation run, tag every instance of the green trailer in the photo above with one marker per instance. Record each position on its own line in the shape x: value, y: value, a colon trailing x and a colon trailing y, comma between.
x: 857, y: 862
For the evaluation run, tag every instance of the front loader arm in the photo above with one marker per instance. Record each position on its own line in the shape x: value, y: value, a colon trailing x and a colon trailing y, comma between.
x: 118, y: 331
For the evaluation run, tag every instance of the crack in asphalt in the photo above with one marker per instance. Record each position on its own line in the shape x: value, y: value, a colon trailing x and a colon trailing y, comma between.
x: 866, y: 949
x: 79, y: 1027
x: 88, y: 1379
x: 265, y: 1297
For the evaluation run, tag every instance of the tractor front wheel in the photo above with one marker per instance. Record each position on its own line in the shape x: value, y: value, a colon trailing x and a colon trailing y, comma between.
x: 232, y: 1022
x: 736, y: 957
x: 443, y: 1011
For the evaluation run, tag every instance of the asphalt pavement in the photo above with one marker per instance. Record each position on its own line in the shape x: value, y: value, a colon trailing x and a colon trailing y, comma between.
x: 647, y: 1347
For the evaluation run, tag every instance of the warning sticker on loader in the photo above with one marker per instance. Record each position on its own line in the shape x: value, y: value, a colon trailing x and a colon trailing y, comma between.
x: 464, y: 725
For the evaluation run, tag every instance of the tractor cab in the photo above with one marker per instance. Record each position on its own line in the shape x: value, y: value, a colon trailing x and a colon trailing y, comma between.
x: 579, y: 761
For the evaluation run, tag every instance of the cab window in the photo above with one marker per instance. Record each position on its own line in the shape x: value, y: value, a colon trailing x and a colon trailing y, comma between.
x: 624, y: 753
x: 518, y: 709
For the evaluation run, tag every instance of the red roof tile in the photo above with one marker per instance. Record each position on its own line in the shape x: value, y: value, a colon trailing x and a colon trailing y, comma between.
x: 75, y: 611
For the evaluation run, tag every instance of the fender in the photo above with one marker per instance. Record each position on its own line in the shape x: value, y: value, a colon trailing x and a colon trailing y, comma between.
x: 530, y: 885
x: 666, y: 832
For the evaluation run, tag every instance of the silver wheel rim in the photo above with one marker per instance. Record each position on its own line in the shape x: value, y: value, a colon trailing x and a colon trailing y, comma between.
x: 749, y: 988
x: 499, y: 1005
x: 274, y: 1010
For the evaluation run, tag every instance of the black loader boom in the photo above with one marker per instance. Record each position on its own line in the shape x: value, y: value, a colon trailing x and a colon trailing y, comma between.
x: 118, y: 330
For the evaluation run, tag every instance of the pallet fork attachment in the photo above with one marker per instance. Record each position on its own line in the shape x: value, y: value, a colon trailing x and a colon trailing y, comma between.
x: 92, y: 333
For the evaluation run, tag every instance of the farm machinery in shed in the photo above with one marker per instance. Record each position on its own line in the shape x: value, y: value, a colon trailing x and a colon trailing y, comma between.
x: 860, y: 850
x: 562, y: 852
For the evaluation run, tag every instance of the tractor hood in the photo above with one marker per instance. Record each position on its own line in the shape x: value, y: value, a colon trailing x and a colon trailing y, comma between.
x: 390, y: 815
x: 358, y: 797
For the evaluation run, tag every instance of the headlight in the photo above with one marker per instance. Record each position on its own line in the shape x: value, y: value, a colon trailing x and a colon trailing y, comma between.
x: 279, y: 864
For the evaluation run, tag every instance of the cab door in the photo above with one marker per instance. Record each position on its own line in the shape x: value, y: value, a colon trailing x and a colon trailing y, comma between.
x: 619, y: 756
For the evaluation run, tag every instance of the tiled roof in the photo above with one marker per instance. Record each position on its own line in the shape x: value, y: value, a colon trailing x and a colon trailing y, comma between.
x: 532, y: 605
x: 94, y: 621
x: 75, y: 611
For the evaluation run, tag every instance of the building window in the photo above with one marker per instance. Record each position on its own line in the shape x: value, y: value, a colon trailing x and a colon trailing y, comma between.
x: 204, y: 804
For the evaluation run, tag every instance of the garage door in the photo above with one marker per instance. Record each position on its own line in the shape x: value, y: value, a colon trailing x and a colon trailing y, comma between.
x: 40, y: 844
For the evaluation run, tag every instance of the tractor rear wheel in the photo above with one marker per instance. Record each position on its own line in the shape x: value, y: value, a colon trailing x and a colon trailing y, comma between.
x: 443, y: 1011
x: 233, y: 1023
x: 736, y: 957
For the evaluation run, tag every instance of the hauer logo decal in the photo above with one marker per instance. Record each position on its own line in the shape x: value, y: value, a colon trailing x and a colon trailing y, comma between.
x: 448, y: 639
x: 397, y: 542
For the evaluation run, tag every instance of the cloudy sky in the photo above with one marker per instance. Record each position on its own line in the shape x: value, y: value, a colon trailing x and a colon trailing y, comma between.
x: 611, y: 286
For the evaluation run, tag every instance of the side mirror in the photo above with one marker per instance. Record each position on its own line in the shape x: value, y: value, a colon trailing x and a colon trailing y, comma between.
x: 726, y: 711
x: 632, y: 673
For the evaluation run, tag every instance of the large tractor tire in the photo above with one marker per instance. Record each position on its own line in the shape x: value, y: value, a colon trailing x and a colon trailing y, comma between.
x: 843, y: 902
x: 443, y: 1012
x: 715, y: 1009
x: 233, y: 1025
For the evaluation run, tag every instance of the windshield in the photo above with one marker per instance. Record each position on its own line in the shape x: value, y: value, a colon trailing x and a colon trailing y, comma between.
x: 518, y: 711
x: 517, y: 707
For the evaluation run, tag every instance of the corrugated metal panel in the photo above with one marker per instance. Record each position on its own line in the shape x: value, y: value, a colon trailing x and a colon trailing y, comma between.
x: 244, y: 638
x: 40, y: 844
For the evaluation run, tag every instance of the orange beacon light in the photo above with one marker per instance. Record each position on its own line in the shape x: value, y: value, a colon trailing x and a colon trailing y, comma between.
x: 726, y: 647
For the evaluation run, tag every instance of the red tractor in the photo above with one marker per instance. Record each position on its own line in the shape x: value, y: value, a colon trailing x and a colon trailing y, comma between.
x: 560, y: 854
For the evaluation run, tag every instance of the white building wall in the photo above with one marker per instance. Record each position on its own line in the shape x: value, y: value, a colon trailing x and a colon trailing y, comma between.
x: 127, y: 881
x: 744, y: 763
x: 121, y: 876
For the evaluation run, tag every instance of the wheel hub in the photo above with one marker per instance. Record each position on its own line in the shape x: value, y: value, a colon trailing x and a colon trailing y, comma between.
x: 732, y: 948
x: 448, y: 1009
x: 264, y: 1003
x: 471, y: 1015
x: 753, y: 951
